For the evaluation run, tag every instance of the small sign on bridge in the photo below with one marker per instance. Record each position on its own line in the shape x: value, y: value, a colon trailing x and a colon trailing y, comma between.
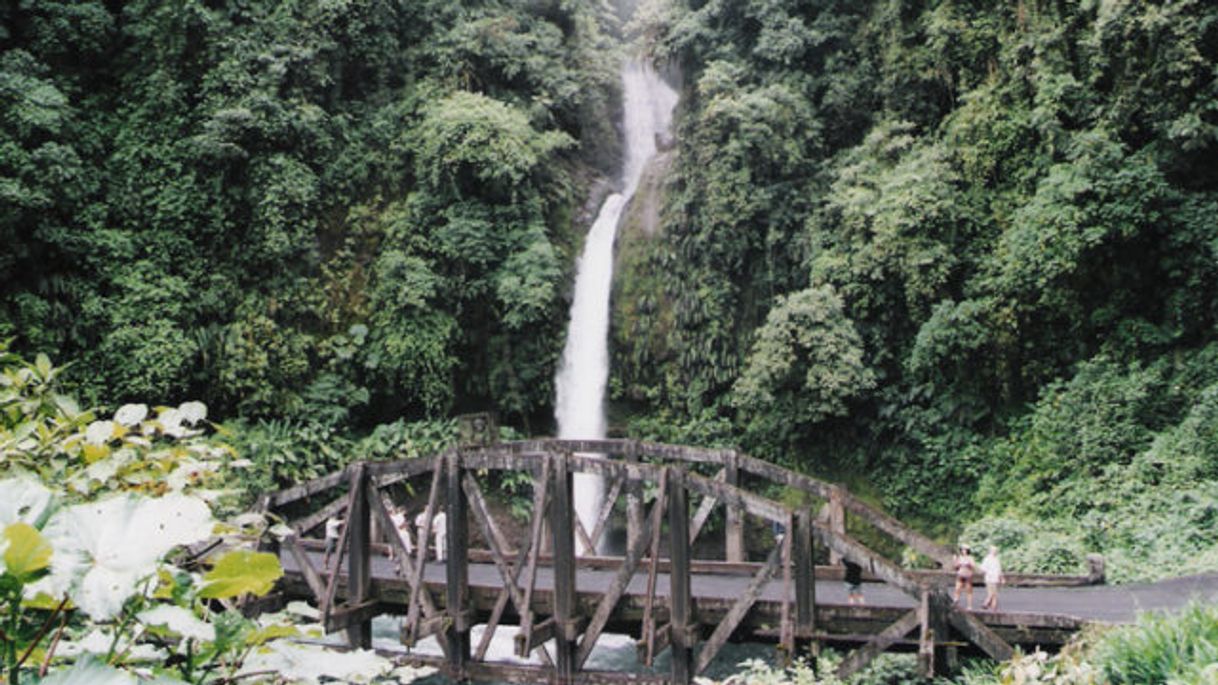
x: 478, y: 430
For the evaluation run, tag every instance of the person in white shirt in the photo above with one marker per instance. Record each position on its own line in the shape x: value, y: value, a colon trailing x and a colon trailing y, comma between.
x: 333, y: 526
x: 439, y: 532
x: 398, y: 517
x: 992, y: 568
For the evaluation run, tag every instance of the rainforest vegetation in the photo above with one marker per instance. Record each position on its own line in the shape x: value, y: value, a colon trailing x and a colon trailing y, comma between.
x: 961, y: 255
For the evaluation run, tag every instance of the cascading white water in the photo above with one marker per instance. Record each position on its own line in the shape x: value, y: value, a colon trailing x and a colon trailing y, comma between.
x: 648, y: 103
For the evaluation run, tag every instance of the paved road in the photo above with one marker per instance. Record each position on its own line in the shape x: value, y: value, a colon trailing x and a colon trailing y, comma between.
x: 1105, y: 603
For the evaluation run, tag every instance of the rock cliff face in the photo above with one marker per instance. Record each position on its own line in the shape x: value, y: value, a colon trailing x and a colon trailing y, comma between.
x: 640, y: 316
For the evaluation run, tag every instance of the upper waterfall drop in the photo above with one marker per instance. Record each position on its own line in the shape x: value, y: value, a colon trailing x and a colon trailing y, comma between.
x: 647, y: 106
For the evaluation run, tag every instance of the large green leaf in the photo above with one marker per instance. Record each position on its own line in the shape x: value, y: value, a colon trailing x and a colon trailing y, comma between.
x: 28, y: 553
x: 242, y: 571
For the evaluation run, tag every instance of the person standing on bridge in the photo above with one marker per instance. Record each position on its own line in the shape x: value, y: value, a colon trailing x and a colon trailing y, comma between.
x: 333, y: 525
x: 991, y: 568
x: 965, y: 567
x: 854, y: 582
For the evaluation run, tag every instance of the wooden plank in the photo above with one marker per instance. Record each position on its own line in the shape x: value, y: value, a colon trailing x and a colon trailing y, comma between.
x: 536, y: 638
x: 353, y: 615
x: 648, y: 636
x: 926, y: 642
x: 805, y: 573
x: 704, y: 509
x: 562, y: 528
x: 540, y: 500
x: 859, y: 658
x: 788, y: 620
x: 736, y: 614
x: 308, y: 523
x: 457, y: 571
x: 680, y: 606
x: 387, y: 472
x: 602, y: 519
x: 733, y: 535
x: 584, y: 539
x: 314, y: 581
x: 359, y: 562
x: 980, y: 634
x: 735, y: 497
x: 612, y: 595
x: 634, y: 502
x: 306, y: 489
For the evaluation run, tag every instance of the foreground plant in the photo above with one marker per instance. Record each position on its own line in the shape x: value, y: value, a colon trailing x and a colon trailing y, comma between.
x: 91, y: 512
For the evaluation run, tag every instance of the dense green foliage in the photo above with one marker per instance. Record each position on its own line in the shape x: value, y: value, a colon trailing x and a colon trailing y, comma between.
x: 334, y: 212
x: 964, y: 250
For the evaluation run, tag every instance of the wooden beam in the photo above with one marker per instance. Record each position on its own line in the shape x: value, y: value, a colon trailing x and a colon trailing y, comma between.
x: 351, y: 616
x: 562, y: 527
x: 733, y: 534
x: 980, y: 634
x: 871, y: 561
x: 634, y: 501
x: 657, y: 512
x: 339, y: 549
x: 602, y: 519
x: 457, y: 570
x: 387, y: 472
x: 862, y: 656
x: 680, y: 606
x: 308, y: 523
x: 306, y: 489
x: 704, y: 509
x: 540, y: 501
x: 359, y: 561
x: 736, y: 614
x: 612, y: 595
x: 536, y: 638
x: 788, y: 620
x: 312, y: 579
x: 735, y: 497
x: 805, y: 573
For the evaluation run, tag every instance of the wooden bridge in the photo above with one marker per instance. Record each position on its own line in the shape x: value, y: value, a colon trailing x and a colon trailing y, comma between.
x: 564, y: 600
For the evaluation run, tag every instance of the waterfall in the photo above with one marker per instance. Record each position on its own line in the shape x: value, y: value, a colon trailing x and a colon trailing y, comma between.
x: 647, y: 113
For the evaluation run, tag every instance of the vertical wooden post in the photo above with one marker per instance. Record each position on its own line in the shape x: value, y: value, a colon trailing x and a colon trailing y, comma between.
x: 805, y: 576
x: 837, y: 520
x: 680, y: 609
x: 634, y: 500
x: 945, y: 657
x: 734, y: 530
x: 562, y: 526
x: 359, y: 563
x: 926, y: 643
x: 457, y: 571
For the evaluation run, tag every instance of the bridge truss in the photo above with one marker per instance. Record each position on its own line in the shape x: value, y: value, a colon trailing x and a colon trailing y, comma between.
x: 648, y: 590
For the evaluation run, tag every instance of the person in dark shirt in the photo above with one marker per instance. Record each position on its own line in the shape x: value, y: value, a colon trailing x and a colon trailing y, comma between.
x: 854, y: 582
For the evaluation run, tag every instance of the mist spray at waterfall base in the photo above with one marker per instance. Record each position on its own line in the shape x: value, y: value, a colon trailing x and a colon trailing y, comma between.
x: 647, y: 103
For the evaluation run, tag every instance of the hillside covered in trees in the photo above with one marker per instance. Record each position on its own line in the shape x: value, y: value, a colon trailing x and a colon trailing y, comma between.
x: 963, y: 252
x: 963, y: 255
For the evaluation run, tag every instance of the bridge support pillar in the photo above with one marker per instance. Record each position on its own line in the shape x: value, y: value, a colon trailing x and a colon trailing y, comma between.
x: 837, y: 520
x: 359, y: 563
x: 945, y: 658
x: 562, y: 525
x: 680, y: 607
x: 457, y: 571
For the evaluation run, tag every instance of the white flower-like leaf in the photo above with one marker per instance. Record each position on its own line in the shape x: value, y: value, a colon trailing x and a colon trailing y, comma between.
x: 179, y: 620
x: 171, y: 423
x: 131, y: 414
x: 193, y: 412
x: 103, y: 549
x: 99, y: 432
x: 23, y: 499
x: 308, y: 664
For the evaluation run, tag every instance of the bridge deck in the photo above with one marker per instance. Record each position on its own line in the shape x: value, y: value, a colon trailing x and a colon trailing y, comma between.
x: 1033, y: 615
